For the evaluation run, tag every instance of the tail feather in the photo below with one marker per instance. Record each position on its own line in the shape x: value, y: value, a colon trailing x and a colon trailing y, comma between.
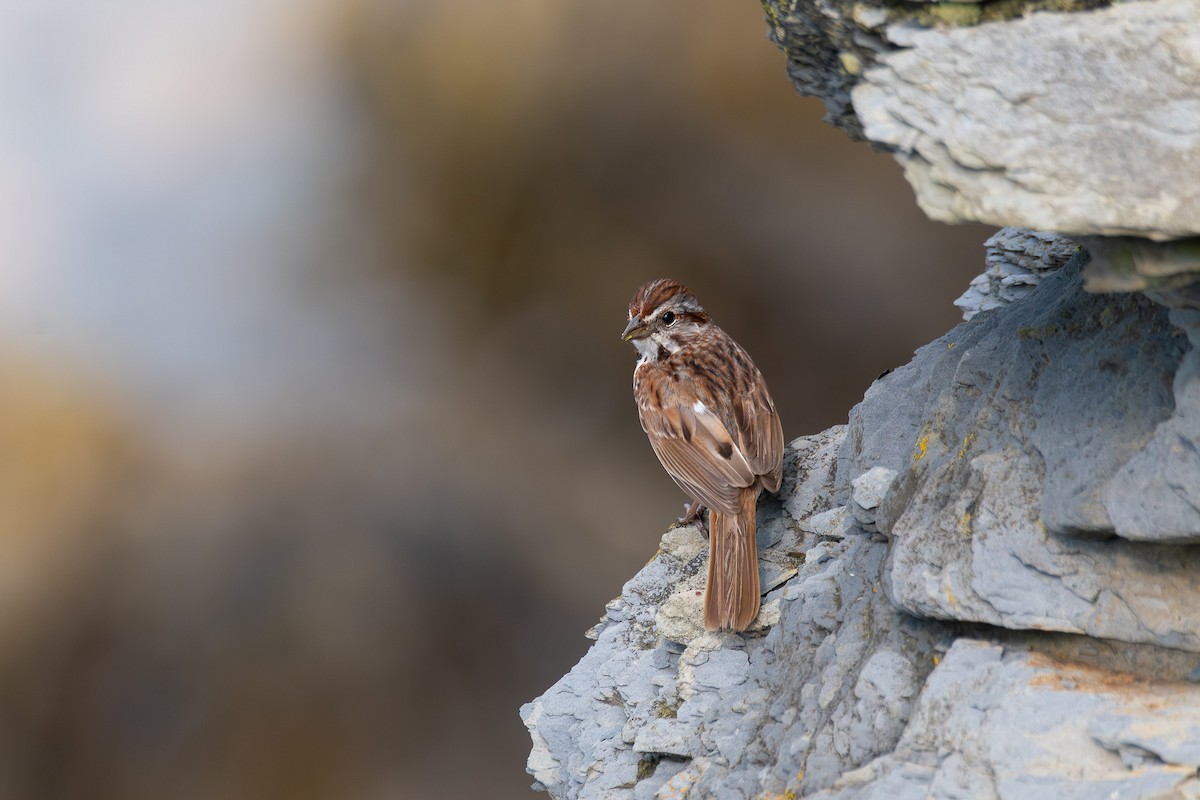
x: 732, y: 595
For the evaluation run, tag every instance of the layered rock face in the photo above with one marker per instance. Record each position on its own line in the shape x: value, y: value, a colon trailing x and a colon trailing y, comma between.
x: 987, y: 583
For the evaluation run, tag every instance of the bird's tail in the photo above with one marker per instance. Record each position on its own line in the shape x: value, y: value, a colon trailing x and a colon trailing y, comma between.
x: 732, y: 594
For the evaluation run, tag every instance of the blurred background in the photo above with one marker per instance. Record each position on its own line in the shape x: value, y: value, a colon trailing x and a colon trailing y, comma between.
x: 318, y: 452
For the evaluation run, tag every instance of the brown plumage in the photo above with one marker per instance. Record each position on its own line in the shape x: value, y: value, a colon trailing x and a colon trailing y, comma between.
x: 713, y: 425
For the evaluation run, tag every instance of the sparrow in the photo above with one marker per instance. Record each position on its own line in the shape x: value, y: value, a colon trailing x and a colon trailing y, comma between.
x: 705, y: 407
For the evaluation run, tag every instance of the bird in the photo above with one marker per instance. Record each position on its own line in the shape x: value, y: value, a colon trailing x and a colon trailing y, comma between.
x: 712, y: 423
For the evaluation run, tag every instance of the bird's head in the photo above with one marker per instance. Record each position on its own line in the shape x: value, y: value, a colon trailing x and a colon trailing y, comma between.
x: 663, y: 316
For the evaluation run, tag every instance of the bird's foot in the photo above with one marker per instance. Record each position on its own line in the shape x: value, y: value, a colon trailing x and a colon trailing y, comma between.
x: 693, y: 514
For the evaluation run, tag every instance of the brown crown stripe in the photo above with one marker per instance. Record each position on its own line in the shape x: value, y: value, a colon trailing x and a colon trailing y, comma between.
x: 653, y: 294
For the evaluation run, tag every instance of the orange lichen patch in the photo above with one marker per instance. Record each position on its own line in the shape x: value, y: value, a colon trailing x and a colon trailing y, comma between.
x: 678, y: 787
x: 790, y: 794
x: 968, y: 440
x: 1070, y: 676
x: 922, y: 449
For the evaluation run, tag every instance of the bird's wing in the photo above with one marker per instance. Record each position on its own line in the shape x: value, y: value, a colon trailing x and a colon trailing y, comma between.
x: 760, y: 434
x: 699, y: 453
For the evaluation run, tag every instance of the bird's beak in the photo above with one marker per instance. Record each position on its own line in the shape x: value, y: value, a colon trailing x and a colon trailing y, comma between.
x: 636, y: 329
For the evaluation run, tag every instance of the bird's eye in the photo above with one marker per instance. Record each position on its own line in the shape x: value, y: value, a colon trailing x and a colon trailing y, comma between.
x: 668, y: 318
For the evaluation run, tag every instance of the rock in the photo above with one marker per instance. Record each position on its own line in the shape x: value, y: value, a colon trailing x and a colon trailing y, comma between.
x: 1127, y: 264
x: 684, y: 542
x: 994, y: 722
x: 1168, y: 733
x: 829, y: 45
x: 1084, y: 122
x: 669, y: 737
x: 1015, y: 262
x: 816, y: 42
x: 1023, y: 429
x: 868, y: 491
x: 1155, y: 496
x: 826, y: 688
x: 836, y: 523
x: 809, y: 465
x: 870, y: 487
x: 884, y: 693
x: 681, y: 616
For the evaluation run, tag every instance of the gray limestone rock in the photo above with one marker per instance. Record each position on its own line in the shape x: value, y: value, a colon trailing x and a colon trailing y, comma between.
x: 830, y: 44
x: 871, y: 487
x: 1128, y: 264
x: 826, y: 49
x: 1016, y: 260
x: 1087, y: 122
x: 867, y: 494
x: 994, y: 722
x: 835, y: 523
x: 1020, y: 436
x: 825, y: 689
x: 1155, y: 496
x: 810, y: 490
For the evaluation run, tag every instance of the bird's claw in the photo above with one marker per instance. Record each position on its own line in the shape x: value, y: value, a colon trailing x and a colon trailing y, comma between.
x: 692, y: 514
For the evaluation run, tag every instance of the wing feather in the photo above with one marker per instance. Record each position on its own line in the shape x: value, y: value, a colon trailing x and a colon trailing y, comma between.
x: 699, y: 453
x: 760, y: 434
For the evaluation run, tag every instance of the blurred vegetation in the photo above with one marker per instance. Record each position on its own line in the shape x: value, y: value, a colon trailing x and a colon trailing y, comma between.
x: 427, y: 475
